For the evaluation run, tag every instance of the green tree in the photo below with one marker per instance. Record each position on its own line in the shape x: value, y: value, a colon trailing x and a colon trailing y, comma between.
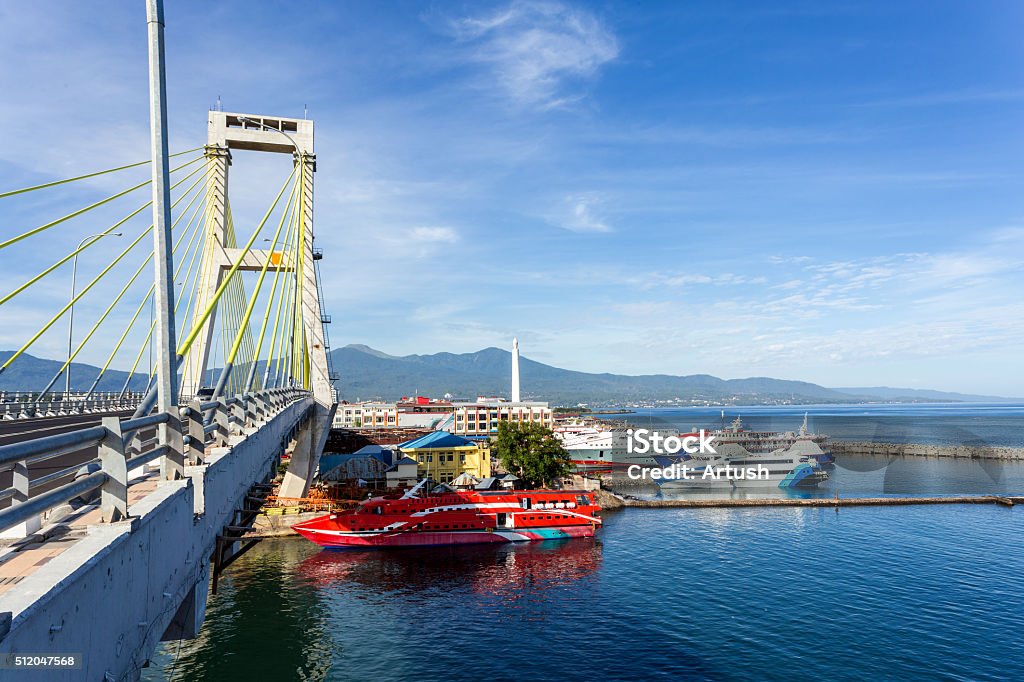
x: 531, y: 452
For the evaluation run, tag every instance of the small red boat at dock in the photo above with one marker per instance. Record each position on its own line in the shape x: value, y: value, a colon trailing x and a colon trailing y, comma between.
x: 420, y: 518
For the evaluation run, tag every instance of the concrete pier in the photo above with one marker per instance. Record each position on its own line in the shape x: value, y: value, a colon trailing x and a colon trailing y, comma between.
x: 609, y: 500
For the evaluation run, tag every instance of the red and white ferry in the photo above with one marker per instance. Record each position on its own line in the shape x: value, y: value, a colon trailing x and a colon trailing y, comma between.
x: 420, y: 517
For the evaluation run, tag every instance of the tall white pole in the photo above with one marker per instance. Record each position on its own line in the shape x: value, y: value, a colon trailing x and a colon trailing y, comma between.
x: 515, y: 370
x: 166, y: 375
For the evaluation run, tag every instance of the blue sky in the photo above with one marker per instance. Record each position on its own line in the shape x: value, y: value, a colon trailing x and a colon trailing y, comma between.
x: 819, y: 191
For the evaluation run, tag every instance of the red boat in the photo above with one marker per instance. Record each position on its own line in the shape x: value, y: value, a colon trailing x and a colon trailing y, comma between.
x: 447, y: 517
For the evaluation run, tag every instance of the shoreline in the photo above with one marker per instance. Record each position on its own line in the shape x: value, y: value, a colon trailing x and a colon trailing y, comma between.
x: 610, y: 500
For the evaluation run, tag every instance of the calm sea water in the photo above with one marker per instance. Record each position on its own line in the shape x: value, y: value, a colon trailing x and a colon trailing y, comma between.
x: 861, y: 476
x: 992, y: 424
x: 909, y: 593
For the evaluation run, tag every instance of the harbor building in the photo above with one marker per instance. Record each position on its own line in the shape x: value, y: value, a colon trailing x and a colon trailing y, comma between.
x: 404, y: 472
x: 407, y: 413
x: 443, y: 456
x: 368, y: 463
x: 366, y: 415
x: 481, y: 418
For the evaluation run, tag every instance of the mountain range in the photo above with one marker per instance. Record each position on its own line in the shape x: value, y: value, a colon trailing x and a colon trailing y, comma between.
x: 29, y: 373
x: 367, y: 373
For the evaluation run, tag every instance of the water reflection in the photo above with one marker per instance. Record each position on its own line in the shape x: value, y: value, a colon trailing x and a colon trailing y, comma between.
x: 501, y: 570
x: 258, y: 608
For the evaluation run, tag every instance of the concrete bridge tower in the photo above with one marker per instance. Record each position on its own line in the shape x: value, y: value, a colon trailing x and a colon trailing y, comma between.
x: 230, y: 131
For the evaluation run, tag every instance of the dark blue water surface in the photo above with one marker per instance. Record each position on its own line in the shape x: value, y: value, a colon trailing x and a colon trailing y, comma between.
x: 910, y: 593
x: 980, y: 424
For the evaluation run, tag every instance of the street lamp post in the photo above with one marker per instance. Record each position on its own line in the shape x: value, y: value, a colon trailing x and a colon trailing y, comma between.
x: 71, y: 310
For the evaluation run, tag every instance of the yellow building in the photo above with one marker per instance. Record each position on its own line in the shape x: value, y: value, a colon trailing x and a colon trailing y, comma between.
x: 442, y: 456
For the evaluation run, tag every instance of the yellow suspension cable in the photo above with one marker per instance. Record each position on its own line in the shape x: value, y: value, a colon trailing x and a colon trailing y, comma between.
x: 80, y: 211
x: 252, y: 378
x: 188, y: 313
x: 301, y: 273
x: 259, y: 280
x: 187, y: 343
x: 254, y: 371
x: 152, y: 326
x: 85, y: 246
x: 277, y: 345
x: 78, y: 296
x: 149, y: 293
x: 126, y: 287
x: 102, y: 317
x: 89, y: 175
x: 208, y: 248
x: 205, y: 208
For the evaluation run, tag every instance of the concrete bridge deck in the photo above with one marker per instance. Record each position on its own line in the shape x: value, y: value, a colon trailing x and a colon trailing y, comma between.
x: 21, y: 558
x: 144, y: 578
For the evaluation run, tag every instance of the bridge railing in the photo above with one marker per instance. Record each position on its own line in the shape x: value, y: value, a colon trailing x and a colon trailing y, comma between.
x: 122, y: 451
x: 26, y: 405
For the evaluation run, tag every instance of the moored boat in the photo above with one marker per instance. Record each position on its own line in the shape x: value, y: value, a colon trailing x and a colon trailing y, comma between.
x: 734, y: 467
x: 596, y: 447
x: 763, y: 442
x: 427, y: 515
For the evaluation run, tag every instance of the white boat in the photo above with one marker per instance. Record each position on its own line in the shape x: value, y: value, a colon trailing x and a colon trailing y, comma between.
x: 758, y: 442
x: 732, y: 466
x: 594, y: 446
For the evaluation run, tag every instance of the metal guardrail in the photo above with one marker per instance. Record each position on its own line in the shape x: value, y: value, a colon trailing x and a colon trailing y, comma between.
x: 121, y: 449
x: 19, y: 405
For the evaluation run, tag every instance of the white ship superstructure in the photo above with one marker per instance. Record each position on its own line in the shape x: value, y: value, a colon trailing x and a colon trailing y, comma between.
x: 734, y: 467
x: 758, y: 442
x: 593, y: 446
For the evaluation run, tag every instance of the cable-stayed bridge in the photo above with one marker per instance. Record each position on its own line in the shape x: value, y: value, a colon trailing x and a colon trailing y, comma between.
x: 114, y: 496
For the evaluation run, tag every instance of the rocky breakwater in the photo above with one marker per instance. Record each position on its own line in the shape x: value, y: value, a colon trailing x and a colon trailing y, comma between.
x: 849, y: 447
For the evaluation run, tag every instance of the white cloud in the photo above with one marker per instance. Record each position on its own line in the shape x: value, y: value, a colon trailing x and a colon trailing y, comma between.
x: 390, y: 241
x: 539, y: 51
x: 582, y: 214
x: 433, y: 235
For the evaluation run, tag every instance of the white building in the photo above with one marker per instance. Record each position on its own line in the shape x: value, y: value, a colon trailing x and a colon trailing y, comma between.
x: 408, y: 413
x: 367, y: 415
x: 481, y: 418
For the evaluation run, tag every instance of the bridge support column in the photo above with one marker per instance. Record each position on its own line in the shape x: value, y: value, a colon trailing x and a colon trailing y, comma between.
x: 309, y: 444
x: 219, y: 158
x: 315, y: 374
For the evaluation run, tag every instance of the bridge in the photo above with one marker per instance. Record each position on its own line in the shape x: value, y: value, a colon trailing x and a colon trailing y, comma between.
x: 121, y: 491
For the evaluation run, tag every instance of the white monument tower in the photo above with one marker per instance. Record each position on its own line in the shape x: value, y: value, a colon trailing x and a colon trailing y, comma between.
x: 515, y: 370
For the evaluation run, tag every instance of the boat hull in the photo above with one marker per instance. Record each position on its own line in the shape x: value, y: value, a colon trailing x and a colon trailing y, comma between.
x: 340, y: 540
